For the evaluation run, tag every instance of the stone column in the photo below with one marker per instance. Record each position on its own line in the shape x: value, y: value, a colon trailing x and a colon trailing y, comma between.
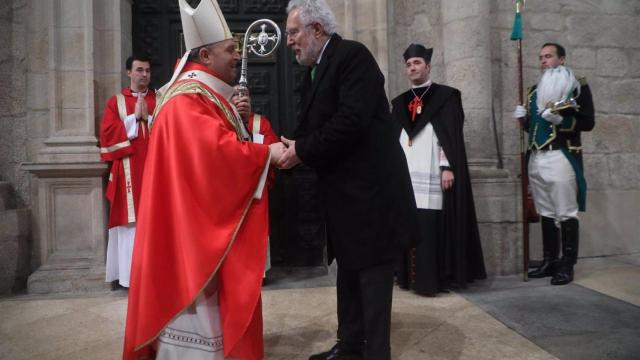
x: 79, y: 40
x: 365, y: 21
x: 466, y: 31
x: 466, y: 41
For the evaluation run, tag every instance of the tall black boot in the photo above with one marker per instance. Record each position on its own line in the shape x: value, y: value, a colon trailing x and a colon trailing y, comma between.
x: 550, y: 248
x: 570, y: 241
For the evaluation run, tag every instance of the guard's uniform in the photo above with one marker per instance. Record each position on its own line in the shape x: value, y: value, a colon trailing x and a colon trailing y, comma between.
x: 557, y: 178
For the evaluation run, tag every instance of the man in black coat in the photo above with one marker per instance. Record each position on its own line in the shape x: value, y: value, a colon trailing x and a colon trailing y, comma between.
x: 346, y: 134
x: 447, y: 252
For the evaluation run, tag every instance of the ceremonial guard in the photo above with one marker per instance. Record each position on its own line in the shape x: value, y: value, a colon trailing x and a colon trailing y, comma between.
x: 558, y: 109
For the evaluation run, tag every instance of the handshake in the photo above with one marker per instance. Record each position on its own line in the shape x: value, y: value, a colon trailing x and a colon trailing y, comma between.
x: 520, y: 112
x: 283, y: 154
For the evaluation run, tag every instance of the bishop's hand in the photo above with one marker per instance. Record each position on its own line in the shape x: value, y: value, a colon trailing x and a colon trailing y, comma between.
x: 290, y: 157
x: 276, y: 149
x: 242, y: 102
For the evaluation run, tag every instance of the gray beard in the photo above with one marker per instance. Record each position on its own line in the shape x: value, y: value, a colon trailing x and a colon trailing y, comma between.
x: 556, y: 84
x: 310, y: 55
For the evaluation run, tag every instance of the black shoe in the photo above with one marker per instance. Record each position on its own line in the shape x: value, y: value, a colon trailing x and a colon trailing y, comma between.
x: 338, y: 352
x: 547, y: 268
x: 564, y: 276
x: 570, y: 242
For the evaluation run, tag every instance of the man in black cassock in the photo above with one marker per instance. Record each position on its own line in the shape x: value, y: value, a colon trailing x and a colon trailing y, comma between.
x: 447, y: 253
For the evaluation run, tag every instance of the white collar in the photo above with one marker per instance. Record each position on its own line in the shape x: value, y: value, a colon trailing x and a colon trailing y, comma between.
x: 211, y: 81
x: 322, y: 51
x: 428, y: 83
x: 139, y: 93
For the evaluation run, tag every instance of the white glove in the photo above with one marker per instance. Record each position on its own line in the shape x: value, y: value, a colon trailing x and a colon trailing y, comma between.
x: 555, y: 119
x: 519, y: 112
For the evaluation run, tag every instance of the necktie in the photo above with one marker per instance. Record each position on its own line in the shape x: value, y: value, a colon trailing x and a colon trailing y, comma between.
x: 313, y: 72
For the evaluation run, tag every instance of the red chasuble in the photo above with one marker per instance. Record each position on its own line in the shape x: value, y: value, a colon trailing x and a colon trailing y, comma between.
x: 127, y: 157
x: 197, y: 220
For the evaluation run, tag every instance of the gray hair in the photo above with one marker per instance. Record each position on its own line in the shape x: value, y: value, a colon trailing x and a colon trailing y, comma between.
x: 315, y: 11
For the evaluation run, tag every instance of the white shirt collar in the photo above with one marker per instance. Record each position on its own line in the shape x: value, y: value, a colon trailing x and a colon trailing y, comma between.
x: 139, y: 93
x: 428, y: 83
x: 322, y: 51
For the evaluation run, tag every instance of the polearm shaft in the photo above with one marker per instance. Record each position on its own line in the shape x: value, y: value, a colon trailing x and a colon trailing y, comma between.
x: 524, y: 179
x: 516, y: 34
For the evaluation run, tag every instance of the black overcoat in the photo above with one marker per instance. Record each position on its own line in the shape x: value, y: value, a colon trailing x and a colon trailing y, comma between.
x: 346, y: 134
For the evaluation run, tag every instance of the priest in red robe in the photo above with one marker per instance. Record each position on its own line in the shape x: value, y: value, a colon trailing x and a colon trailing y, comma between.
x: 201, y: 242
x: 124, y: 138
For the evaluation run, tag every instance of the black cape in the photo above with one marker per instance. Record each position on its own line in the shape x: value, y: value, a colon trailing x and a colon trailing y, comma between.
x: 461, y: 248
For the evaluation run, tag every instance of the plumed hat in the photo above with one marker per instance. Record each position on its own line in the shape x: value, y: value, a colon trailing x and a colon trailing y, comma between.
x: 417, y: 50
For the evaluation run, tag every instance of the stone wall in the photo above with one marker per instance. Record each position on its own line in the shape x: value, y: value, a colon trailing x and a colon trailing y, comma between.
x: 602, y: 44
x: 14, y: 130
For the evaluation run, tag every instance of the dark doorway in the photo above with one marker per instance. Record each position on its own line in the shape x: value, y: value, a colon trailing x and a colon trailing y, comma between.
x: 297, y: 230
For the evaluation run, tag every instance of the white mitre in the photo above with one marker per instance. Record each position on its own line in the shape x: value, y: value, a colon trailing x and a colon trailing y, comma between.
x: 203, y: 25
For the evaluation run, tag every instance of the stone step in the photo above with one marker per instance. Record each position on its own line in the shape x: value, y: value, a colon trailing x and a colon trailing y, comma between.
x: 62, y: 279
x: 14, y: 250
x: 7, y: 196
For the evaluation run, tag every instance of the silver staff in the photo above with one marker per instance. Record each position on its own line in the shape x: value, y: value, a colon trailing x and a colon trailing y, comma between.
x: 258, y: 45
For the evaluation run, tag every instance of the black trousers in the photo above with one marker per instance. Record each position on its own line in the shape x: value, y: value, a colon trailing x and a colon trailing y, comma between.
x: 364, y: 309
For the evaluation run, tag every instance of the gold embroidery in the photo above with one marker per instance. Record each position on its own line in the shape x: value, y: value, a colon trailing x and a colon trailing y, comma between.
x: 128, y: 186
x: 576, y: 149
x: 571, y: 128
x: 194, y: 87
x: 118, y: 146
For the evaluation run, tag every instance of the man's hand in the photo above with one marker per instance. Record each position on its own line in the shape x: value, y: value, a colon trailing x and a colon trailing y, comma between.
x: 242, y: 103
x: 446, y: 179
x: 520, y: 112
x: 277, y: 149
x: 141, y: 109
x: 555, y: 119
x: 289, y: 158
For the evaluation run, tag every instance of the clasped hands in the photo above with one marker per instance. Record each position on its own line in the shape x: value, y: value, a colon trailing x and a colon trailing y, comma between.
x: 283, y: 154
x: 141, y: 112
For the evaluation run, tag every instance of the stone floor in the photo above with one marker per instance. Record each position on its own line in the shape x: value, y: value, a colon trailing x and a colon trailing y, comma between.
x: 479, y: 323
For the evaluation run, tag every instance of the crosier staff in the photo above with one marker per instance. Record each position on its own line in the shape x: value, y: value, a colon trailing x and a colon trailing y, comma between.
x: 257, y: 44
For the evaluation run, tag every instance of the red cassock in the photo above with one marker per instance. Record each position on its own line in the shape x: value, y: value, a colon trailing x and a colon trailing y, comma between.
x: 127, y: 157
x: 198, y: 219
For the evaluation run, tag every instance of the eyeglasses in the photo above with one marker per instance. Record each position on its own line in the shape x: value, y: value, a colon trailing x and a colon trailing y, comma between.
x: 295, y: 32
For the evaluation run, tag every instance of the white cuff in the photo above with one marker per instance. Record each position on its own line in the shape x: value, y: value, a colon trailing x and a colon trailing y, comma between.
x: 443, y: 159
x: 263, y: 179
x: 131, y: 125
